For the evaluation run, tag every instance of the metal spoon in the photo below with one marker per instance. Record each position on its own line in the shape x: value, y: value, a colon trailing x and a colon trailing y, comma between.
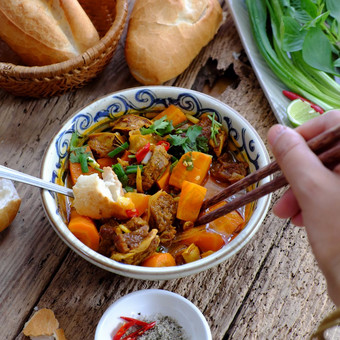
x: 35, y: 181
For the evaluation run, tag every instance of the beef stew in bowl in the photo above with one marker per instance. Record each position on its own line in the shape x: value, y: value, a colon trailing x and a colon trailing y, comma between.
x: 152, y: 155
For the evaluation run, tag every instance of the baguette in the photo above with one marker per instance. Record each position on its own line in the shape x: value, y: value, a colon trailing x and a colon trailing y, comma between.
x: 44, y: 32
x: 9, y: 203
x: 164, y: 36
x: 101, y: 198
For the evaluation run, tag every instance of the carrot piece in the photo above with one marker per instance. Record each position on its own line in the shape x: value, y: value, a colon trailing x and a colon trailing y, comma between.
x: 159, y: 260
x: 190, y: 201
x: 106, y: 161
x: 140, y: 201
x: 227, y: 224
x: 209, y: 241
x: 172, y: 113
x: 163, y: 180
x: 203, y: 239
x: 84, y: 229
x: 192, y: 167
x: 75, y: 169
x: 125, y: 156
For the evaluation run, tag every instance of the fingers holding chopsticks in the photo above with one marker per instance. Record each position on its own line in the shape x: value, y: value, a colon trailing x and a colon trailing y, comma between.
x: 314, y: 194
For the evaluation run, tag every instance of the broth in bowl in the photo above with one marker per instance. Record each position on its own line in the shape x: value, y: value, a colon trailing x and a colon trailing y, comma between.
x: 141, y: 165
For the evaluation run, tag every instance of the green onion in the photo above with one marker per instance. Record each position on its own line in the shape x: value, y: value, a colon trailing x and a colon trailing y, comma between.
x: 119, y: 149
x: 119, y: 171
x: 132, y: 169
x: 129, y: 189
x: 292, y: 68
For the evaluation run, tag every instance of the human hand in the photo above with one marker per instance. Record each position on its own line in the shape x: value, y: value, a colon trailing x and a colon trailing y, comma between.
x: 313, y: 199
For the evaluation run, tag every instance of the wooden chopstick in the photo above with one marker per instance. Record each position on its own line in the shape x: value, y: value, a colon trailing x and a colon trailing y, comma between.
x: 317, y: 144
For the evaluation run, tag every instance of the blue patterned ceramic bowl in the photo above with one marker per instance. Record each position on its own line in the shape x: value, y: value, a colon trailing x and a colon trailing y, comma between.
x: 97, y: 115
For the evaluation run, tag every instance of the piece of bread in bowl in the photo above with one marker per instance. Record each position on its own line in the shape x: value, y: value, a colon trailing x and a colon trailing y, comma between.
x: 9, y: 203
x: 164, y: 36
x: 44, y: 32
x: 101, y: 198
x: 43, y: 325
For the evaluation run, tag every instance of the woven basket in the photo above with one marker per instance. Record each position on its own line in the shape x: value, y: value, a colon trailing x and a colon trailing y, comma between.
x: 109, y: 18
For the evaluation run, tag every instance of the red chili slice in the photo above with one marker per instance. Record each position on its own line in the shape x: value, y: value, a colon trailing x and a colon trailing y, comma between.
x: 132, y: 213
x: 165, y: 144
x: 122, y: 330
x: 141, y: 153
x: 138, y: 332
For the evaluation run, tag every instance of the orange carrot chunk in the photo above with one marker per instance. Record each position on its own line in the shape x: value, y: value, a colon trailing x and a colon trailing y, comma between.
x: 159, y: 260
x: 140, y: 201
x: 106, y: 161
x: 190, y: 201
x: 192, y: 167
x: 204, y: 240
x: 227, y: 224
x: 84, y: 229
x: 172, y: 113
x: 163, y: 180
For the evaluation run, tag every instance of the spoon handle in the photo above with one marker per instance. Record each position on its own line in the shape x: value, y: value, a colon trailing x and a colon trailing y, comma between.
x: 35, y: 181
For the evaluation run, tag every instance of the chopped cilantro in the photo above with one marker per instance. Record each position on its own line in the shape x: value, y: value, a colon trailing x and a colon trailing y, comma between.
x: 160, y: 127
x: 191, y: 140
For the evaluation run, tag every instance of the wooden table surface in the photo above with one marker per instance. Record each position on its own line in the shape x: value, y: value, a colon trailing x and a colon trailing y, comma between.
x: 272, y: 289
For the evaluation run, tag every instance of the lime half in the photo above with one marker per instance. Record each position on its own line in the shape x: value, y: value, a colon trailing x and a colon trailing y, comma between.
x: 300, y: 112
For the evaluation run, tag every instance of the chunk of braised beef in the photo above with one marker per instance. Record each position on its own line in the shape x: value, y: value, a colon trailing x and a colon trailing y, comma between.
x: 162, y: 216
x: 107, y: 232
x: 130, y: 122
x: 154, y: 168
x: 136, y: 255
x: 226, y: 170
x: 126, y: 241
x: 205, y: 123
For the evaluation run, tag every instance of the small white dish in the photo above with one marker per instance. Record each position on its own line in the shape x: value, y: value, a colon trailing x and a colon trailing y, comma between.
x: 149, y: 302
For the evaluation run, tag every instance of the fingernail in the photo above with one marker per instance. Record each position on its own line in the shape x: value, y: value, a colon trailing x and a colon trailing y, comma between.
x: 275, y: 132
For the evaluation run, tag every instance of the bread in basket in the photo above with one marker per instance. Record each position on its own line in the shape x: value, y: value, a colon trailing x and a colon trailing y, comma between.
x: 109, y: 17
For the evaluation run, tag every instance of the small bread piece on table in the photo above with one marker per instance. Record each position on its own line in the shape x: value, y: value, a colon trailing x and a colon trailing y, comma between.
x: 9, y: 203
x: 46, y: 32
x: 43, y: 326
x: 164, y: 36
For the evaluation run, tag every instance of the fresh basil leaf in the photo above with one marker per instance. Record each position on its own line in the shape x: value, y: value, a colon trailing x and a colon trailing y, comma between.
x: 334, y: 8
x: 317, y: 51
x: 293, y: 36
x: 337, y: 63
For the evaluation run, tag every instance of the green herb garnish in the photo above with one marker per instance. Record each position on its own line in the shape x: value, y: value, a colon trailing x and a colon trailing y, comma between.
x: 160, y: 127
x: 299, y: 40
x: 215, y: 128
x: 191, y: 140
x: 118, y: 150
x: 188, y: 162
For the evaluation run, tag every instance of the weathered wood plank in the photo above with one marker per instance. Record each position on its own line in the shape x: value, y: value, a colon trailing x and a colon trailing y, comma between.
x: 270, y: 289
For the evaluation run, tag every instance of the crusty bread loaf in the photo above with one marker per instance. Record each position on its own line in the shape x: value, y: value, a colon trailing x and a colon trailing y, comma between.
x: 44, y: 32
x: 164, y: 36
x: 9, y: 203
x: 43, y: 324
